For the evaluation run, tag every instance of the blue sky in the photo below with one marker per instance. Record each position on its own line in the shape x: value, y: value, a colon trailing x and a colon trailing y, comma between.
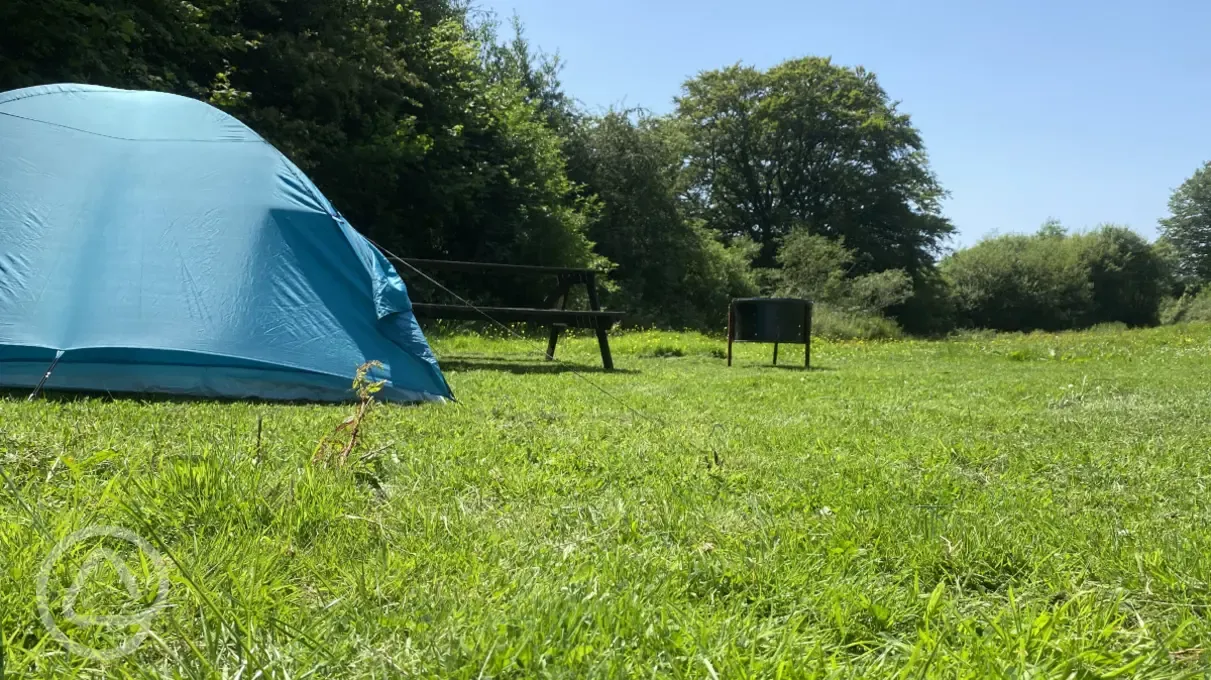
x: 1088, y: 112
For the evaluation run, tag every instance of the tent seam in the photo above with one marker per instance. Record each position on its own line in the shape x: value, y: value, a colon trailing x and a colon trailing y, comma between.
x: 258, y: 140
x: 43, y: 90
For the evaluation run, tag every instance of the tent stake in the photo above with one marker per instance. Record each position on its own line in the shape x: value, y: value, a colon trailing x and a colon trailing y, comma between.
x: 49, y: 370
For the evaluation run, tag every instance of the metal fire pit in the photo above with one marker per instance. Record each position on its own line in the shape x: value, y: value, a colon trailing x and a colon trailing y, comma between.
x: 776, y: 320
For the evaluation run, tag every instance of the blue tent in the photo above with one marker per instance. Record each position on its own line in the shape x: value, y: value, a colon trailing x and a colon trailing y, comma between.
x: 152, y: 243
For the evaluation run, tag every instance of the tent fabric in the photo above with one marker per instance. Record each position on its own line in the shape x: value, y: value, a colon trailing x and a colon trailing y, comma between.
x: 160, y: 245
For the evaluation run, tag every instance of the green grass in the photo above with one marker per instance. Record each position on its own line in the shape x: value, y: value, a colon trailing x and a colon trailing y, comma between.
x: 991, y: 506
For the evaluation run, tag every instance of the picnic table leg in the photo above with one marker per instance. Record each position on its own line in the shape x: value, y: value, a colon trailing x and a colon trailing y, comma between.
x: 731, y: 313
x: 775, y: 354
x: 603, y: 341
x: 560, y: 295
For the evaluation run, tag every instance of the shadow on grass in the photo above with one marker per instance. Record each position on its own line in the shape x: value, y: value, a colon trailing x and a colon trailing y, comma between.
x: 69, y: 396
x: 520, y: 367
x: 524, y: 367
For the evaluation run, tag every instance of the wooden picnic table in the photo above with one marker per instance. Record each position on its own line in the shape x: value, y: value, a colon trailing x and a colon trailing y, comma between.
x: 554, y: 312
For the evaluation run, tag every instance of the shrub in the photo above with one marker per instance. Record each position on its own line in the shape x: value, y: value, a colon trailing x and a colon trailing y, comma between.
x: 817, y: 268
x: 1054, y: 281
x: 813, y: 267
x: 930, y: 310
x: 1020, y: 283
x: 1127, y: 276
x: 881, y: 290
x: 1194, y: 305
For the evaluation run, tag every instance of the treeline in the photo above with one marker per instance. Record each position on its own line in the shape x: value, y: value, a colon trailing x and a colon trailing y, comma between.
x: 1054, y: 280
x: 440, y: 133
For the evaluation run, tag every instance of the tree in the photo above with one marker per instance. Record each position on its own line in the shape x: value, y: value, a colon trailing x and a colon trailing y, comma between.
x: 392, y: 110
x: 809, y: 144
x: 146, y: 44
x: 388, y: 105
x: 1052, y: 228
x: 535, y: 71
x: 1174, y: 282
x: 670, y: 270
x: 1188, y: 227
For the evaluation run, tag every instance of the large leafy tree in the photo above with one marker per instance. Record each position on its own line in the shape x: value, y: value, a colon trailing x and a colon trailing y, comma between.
x: 1188, y: 227
x: 671, y: 270
x: 390, y: 108
x: 515, y: 60
x: 389, y: 105
x: 810, y: 144
x: 627, y: 168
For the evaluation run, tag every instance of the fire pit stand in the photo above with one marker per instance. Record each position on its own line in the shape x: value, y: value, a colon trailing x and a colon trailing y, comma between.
x: 776, y: 320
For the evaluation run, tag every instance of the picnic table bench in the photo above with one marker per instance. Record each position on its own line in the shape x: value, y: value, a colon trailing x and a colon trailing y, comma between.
x: 554, y: 313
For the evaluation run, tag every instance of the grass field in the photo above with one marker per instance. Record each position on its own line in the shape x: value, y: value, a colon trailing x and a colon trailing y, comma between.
x: 1013, y: 506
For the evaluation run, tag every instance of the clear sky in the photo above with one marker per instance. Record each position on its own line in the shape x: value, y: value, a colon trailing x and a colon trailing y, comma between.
x: 1088, y: 112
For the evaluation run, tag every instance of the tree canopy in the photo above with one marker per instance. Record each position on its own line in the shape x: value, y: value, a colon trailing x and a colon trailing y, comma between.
x: 1188, y: 227
x: 441, y: 132
x: 814, y: 145
x: 670, y: 269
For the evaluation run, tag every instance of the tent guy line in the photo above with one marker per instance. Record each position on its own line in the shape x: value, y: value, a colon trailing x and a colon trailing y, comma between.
x: 655, y: 420
x: 510, y: 331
